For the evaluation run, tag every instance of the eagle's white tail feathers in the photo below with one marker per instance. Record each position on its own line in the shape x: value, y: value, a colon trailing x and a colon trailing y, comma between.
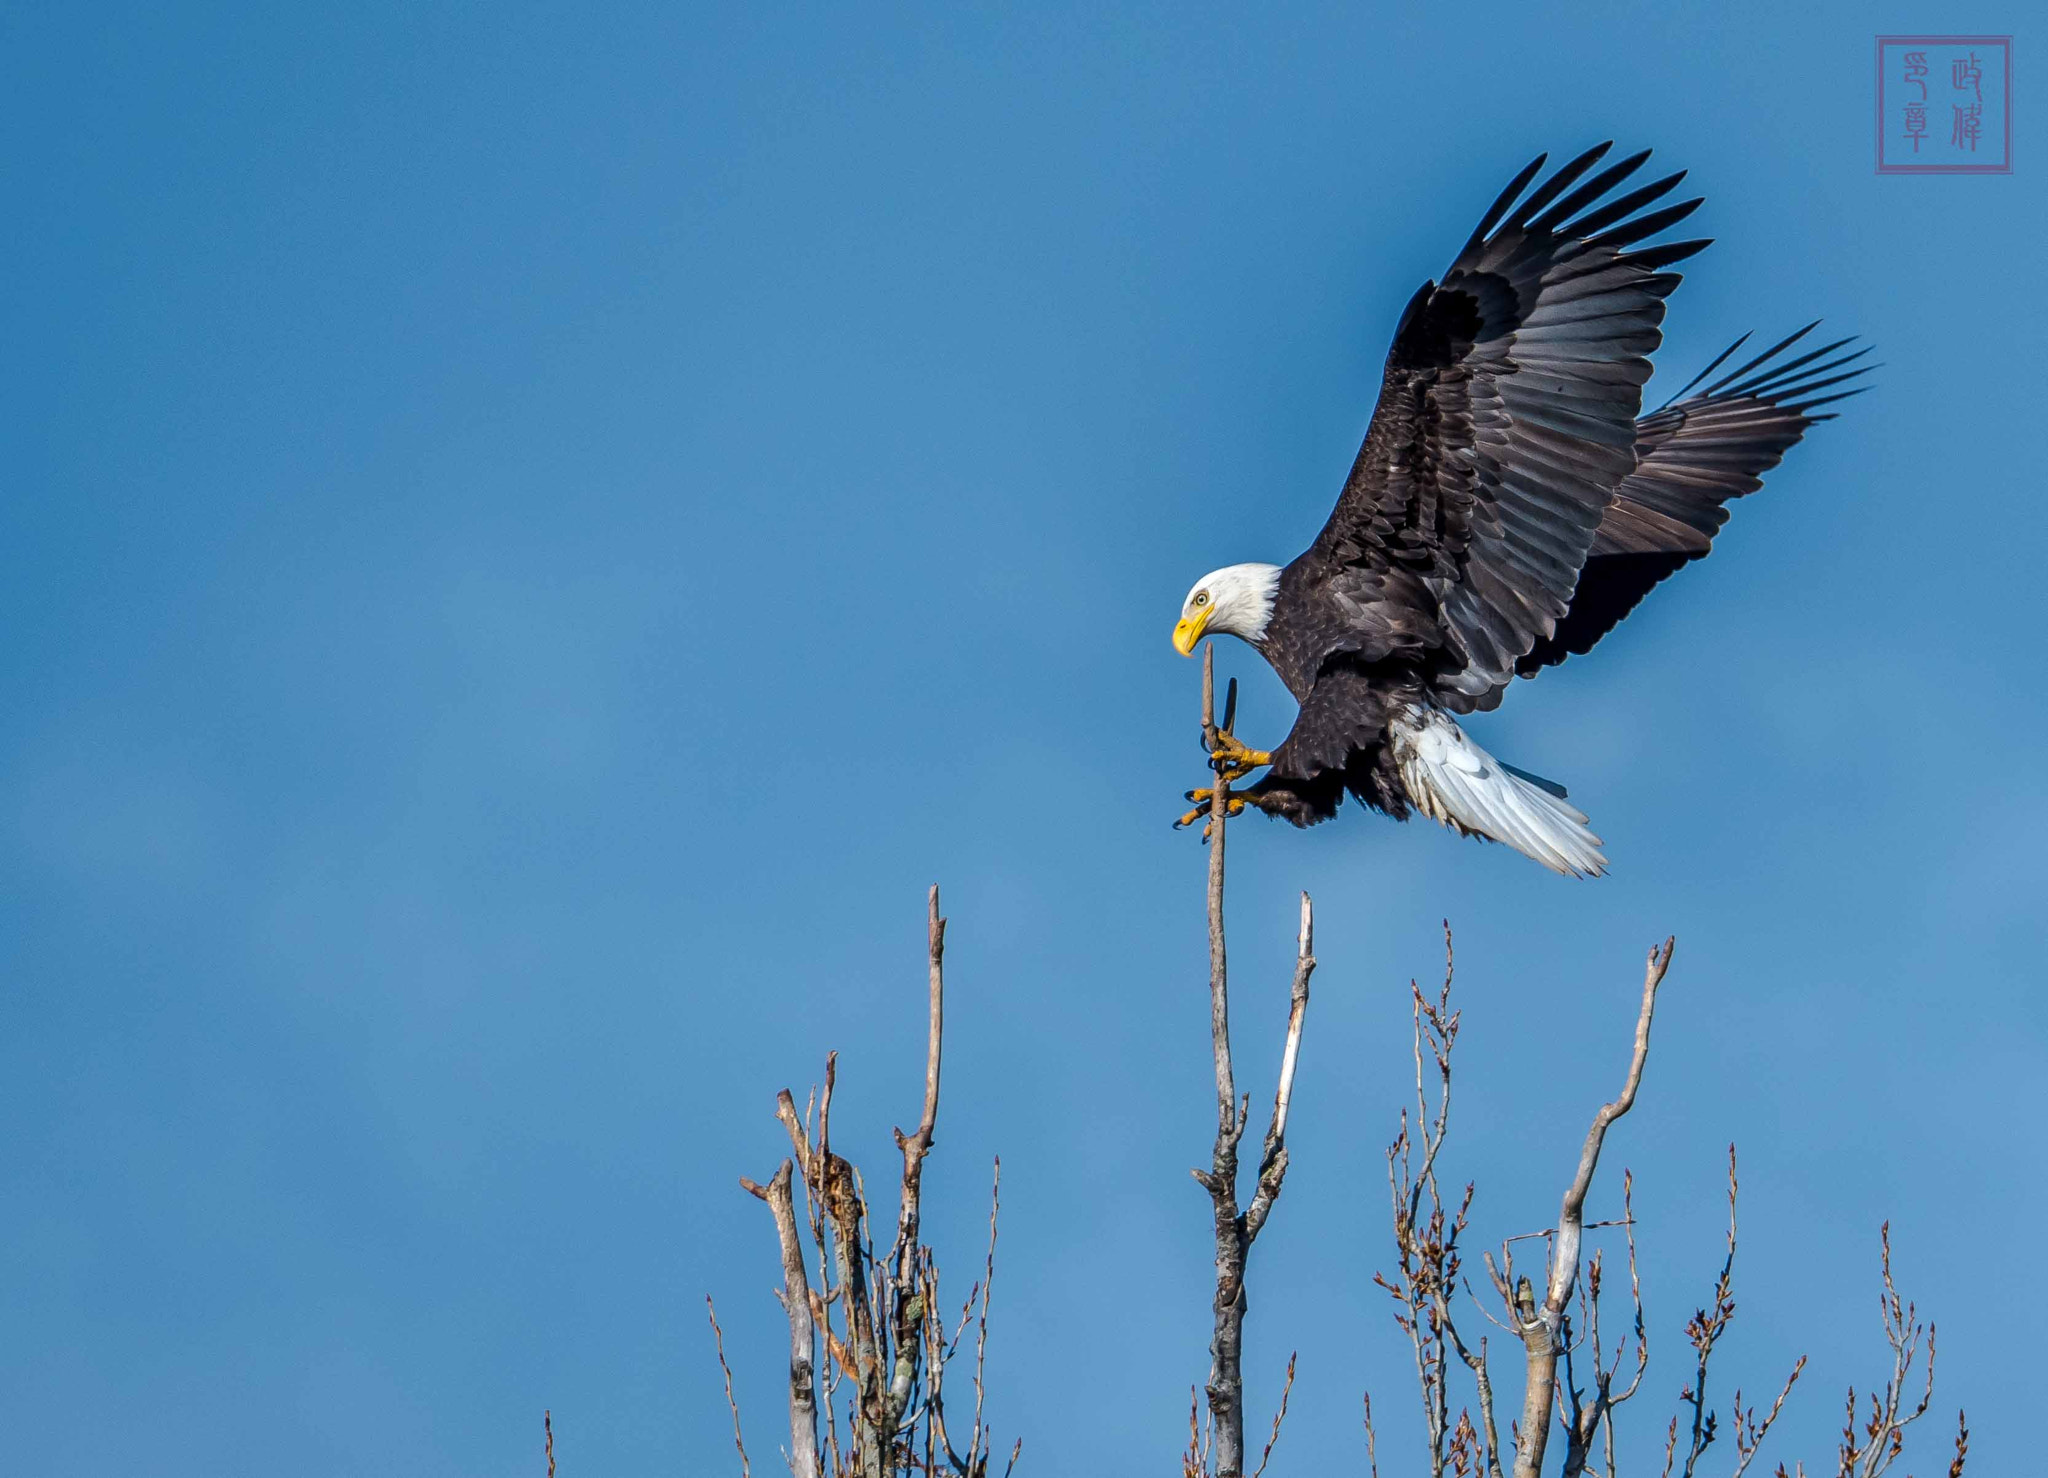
x: 1454, y: 781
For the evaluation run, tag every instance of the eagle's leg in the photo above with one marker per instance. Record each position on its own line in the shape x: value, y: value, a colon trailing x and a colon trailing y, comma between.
x: 1232, y: 760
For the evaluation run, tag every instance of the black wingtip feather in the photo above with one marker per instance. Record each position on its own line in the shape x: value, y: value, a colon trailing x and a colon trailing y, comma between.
x: 1653, y: 258
x: 1718, y: 361
x: 1589, y: 192
x: 1789, y: 386
x: 1719, y: 385
x: 1783, y: 379
x: 1629, y: 232
x: 1806, y: 406
x: 1505, y: 199
x: 1805, y: 390
x: 1556, y: 185
x: 1596, y: 221
x: 1776, y: 370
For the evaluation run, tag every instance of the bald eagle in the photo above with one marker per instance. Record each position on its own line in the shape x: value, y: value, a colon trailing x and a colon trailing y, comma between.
x: 1509, y: 507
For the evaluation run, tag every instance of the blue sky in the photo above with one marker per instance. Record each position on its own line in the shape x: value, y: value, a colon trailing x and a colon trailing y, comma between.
x: 531, y: 537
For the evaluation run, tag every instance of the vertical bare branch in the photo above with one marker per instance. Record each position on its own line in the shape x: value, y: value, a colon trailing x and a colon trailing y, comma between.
x: 874, y: 1306
x: 1236, y: 1230
x: 982, y: 1434
x: 1273, y: 1155
x: 1585, y: 1421
x: 860, y: 1357
x: 718, y: 1340
x: 1542, y: 1329
x: 1883, y: 1437
x: 1704, y: 1329
x: 796, y: 1302
x: 905, y: 1308
x: 1194, y: 1461
x: 1219, y: 970
x: 1279, y: 1417
x: 1226, y: 1380
x: 547, y: 1426
x: 1428, y: 1230
x: 1426, y: 1236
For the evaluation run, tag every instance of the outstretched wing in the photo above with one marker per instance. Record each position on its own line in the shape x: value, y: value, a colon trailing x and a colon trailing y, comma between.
x: 1694, y: 455
x: 1505, y: 421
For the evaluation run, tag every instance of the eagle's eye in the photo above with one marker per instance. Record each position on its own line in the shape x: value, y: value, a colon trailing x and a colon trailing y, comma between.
x: 1201, y: 597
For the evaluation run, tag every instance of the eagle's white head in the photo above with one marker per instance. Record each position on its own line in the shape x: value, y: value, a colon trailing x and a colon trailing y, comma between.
x: 1236, y: 600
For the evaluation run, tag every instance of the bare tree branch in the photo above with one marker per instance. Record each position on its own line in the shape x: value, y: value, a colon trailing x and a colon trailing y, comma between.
x: 1883, y: 1437
x: 1427, y: 1231
x: 1236, y: 1230
x: 906, y: 1309
x: 1273, y: 1156
x: 797, y: 1302
x: 1219, y: 973
x: 982, y: 1434
x: 1574, y: 1372
x: 1585, y: 1421
x: 1749, y: 1432
x: 1226, y: 1351
x: 1543, y: 1329
x: 718, y: 1340
x: 1194, y: 1459
x: 873, y: 1310
x: 1279, y: 1418
x: 1704, y: 1330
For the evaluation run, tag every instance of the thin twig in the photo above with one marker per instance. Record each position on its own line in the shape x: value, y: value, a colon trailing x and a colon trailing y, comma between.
x: 1194, y: 1462
x: 718, y: 1340
x: 1273, y: 1156
x: 1426, y: 1237
x: 1750, y: 1433
x: 1884, y: 1431
x: 1704, y: 1330
x: 1279, y: 1417
x: 988, y: 1283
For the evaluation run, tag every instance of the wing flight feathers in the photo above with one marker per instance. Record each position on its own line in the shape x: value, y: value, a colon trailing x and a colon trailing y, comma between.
x: 1695, y: 454
x: 1505, y: 422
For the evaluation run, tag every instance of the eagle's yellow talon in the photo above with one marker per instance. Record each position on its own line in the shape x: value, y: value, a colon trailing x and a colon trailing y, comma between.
x: 1233, y: 805
x: 1232, y: 759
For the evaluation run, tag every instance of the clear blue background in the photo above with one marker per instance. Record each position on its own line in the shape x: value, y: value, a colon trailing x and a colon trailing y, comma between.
x: 531, y: 536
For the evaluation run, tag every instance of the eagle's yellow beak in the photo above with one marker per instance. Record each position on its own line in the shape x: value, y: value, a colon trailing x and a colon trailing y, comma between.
x: 1189, y: 631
